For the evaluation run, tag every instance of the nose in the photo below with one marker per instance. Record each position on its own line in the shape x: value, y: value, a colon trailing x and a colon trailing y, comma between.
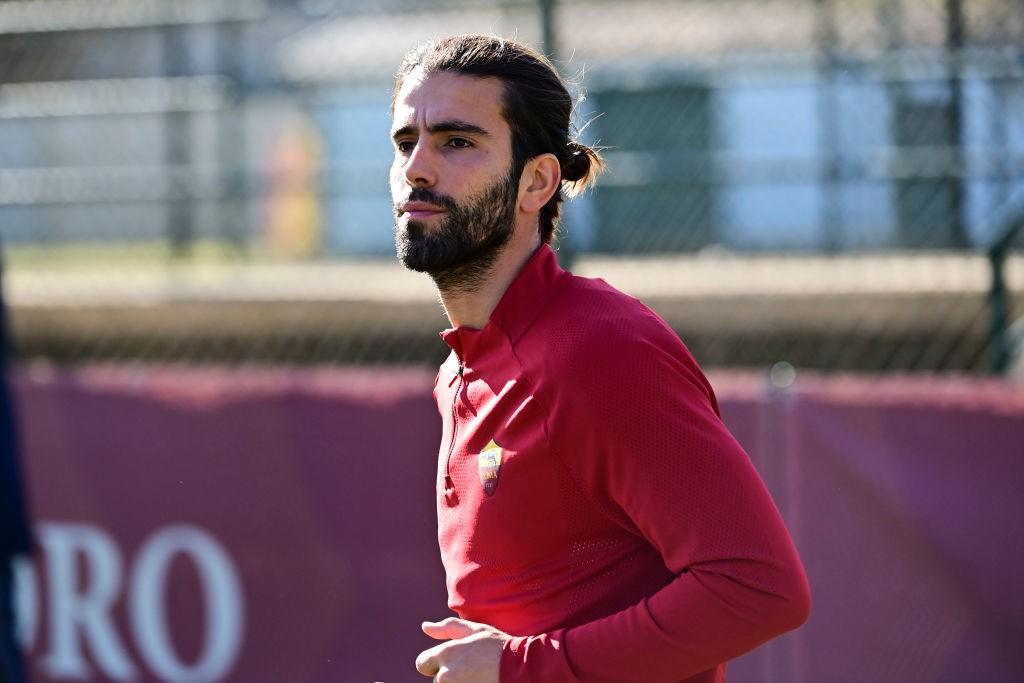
x: 420, y: 169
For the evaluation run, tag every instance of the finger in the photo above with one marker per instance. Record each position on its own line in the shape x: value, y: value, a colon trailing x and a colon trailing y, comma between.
x: 452, y: 628
x: 443, y: 675
x: 428, y: 662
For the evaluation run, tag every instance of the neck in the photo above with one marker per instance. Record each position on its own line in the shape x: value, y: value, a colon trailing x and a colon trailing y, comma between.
x: 470, y: 293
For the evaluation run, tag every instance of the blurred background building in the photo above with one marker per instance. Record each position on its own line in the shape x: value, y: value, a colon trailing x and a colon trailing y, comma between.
x: 832, y: 183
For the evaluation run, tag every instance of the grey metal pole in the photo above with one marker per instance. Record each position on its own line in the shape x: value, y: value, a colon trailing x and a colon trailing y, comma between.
x: 998, y: 351
x: 549, y: 36
x: 954, y: 45
x: 999, y: 298
x: 547, y: 28
x: 828, y: 112
x: 232, y: 139
x: 177, y: 148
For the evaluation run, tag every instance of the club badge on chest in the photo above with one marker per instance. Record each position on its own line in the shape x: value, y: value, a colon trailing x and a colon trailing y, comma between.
x: 489, y: 466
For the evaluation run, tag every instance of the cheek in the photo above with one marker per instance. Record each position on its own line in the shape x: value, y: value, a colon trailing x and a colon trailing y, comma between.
x: 396, y: 179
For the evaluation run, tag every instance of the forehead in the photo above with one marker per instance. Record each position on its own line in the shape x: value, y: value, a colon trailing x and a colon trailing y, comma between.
x: 442, y: 96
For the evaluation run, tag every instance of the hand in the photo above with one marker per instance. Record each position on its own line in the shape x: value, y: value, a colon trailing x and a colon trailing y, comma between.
x: 472, y: 653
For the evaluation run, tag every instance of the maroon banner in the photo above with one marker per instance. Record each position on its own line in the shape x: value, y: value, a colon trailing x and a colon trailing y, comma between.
x: 904, y: 498
x: 243, y: 526
x: 260, y: 525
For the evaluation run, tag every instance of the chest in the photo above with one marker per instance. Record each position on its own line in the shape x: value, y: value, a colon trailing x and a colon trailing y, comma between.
x: 502, y: 492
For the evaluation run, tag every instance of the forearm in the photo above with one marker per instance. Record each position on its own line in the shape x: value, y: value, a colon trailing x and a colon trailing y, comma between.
x: 698, y: 621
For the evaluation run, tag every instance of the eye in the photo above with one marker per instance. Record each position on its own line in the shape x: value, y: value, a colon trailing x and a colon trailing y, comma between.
x: 404, y: 146
x: 460, y: 143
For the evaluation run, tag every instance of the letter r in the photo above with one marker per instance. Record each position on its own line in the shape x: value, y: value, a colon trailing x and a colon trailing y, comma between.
x: 87, y: 611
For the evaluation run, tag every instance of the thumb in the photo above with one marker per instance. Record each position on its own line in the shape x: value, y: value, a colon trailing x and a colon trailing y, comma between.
x: 451, y: 628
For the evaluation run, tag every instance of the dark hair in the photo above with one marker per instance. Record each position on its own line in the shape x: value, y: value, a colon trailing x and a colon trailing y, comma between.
x: 537, y: 106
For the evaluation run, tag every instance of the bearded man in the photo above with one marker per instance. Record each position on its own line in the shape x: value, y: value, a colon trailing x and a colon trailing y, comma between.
x: 597, y: 522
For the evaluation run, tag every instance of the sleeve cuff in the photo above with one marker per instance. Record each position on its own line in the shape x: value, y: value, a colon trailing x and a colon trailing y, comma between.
x: 536, y: 659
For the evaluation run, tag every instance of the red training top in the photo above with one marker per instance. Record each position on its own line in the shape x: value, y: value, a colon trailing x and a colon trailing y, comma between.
x: 591, y: 502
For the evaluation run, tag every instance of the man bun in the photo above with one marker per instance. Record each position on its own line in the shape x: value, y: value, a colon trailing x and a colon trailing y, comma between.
x: 580, y: 167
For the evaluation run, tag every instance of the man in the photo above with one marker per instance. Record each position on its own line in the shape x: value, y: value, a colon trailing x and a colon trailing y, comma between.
x: 14, y: 531
x: 596, y: 520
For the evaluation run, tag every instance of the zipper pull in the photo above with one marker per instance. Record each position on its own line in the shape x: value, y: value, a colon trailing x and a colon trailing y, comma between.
x: 450, y: 496
x: 458, y: 374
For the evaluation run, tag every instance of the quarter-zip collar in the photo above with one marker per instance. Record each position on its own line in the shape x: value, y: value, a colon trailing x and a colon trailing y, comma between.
x: 524, y: 299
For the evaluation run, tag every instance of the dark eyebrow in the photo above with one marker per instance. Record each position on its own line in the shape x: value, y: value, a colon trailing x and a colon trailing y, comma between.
x: 453, y: 126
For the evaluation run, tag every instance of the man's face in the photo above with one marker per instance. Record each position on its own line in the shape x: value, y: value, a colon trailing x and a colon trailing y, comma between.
x: 452, y: 183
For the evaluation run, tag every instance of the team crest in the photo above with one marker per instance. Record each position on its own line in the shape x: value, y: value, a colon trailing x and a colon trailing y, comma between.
x: 489, y: 465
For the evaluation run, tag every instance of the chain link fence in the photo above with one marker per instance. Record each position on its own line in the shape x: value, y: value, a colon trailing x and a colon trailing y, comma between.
x: 818, y: 182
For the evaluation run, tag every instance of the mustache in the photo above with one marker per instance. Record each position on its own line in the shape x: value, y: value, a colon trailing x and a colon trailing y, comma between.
x: 422, y: 194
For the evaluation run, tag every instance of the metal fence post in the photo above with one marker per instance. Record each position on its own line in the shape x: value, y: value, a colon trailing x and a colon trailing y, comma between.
x: 999, y: 300
x: 177, y: 147
x: 549, y: 36
x: 954, y: 44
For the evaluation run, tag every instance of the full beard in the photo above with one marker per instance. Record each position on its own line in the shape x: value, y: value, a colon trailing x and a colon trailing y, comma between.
x: 460, y: 250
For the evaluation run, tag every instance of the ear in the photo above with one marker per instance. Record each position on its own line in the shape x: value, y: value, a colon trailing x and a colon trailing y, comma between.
x: 539, y: 182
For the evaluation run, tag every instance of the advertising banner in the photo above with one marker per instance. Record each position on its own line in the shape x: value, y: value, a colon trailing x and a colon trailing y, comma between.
x: 252, y: 525
x: 235, y: 526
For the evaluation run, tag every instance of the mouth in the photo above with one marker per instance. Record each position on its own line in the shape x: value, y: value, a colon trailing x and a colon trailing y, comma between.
x: 420, y: 215
x: 421, y: 211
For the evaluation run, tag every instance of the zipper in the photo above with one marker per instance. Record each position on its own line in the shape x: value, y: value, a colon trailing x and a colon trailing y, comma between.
x: 450, y: 496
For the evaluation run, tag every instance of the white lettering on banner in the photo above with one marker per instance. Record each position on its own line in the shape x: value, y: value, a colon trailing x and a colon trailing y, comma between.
x: 80, y: 614
x: 224, y: 605
x: 87, y: 611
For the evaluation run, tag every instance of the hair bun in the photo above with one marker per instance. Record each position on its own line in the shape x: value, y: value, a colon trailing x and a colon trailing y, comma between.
x: 577, y: 163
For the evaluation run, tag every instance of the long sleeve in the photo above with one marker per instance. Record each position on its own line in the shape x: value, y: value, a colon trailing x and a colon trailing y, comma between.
x: 634, y: 420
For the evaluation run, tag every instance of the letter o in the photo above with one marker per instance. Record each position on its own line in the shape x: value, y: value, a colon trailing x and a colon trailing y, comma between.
x: 224, y: 605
